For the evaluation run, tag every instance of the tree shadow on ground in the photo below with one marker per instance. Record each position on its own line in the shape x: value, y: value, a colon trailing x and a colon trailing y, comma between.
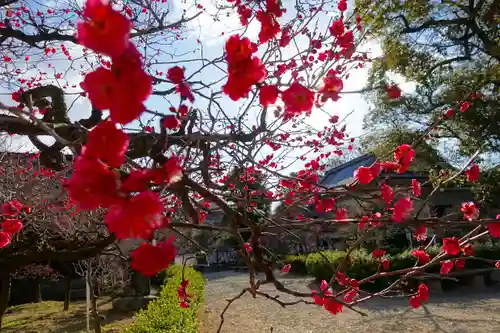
x: 474, y: 298
x: 78, y: 322
x: 211, y: 276
x: 459, y: 295
x: 439, y: 323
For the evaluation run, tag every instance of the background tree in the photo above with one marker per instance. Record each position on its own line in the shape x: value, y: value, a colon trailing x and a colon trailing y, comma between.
x: 429, y: 156
x: 36, y: 273
x: 247, y: 193
x: 53, y: 229
x: 449, y: 51
x: 104, y: 276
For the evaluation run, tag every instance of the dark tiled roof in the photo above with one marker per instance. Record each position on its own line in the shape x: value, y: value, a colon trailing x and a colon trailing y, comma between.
x: 344, y: 173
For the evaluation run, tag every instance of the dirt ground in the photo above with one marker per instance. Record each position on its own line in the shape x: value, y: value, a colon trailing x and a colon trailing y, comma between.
x: 457, y: 312
x: 477, y: 312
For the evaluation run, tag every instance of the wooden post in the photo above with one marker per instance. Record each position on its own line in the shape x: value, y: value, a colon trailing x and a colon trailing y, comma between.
x: 67, y: 293
x: 38, y: 290
x: 87, y: 287
x: 95, y: 314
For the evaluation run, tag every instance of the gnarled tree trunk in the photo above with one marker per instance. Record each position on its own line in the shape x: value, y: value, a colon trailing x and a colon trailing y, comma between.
x: 93, y: 300
x: 5, y: 282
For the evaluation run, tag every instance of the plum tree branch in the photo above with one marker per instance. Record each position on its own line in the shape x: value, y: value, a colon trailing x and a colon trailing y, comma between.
x: 89, y: 250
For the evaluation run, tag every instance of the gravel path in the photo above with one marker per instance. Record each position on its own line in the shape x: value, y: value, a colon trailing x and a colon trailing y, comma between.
x: 449, y: 313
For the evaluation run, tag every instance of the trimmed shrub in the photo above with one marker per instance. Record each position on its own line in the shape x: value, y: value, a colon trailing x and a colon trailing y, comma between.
x: 298, y: 263
x: 164, y: 315
x: 322, y: 265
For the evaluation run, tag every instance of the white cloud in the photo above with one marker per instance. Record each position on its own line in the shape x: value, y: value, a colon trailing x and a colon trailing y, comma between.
x: 16, y: 143
x: 405, y: 86
x: 214, y: 25
x: 372, y: 47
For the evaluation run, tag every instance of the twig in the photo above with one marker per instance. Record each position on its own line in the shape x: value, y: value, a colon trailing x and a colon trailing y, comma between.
x: 229, y: 302
x: 282, y: 304
x: 23, y: 114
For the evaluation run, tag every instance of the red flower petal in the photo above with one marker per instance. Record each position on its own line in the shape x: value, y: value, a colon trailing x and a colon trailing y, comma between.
x: 451, y: 246
x: 350, y: 295
x: 363, y: 175
x: 106, y: 31
x: 473, y: 173
x: 415, y: 302
x: 137, y: 218
x: 12, y: 226
x: 387, y: 193
x: 342, y: 6
x: 92, y: 184
x: 378, y: 253
x: 337, y: 28
x: 297, y: 99
x: 460, y: 263
x: 268, y: 95
x: 331, y: 305
x: 5, y: 239
x: 248, y: 247
x: 416, y: 188
x: 393, y: 91
x: 421, y: 232
x: 151, y: 259
x: 423, y: 292
x: 446, y: 267
x: 470, y: 210
x: 108, y: 143
x: 402, y: 209
x: 176, y: 74
x: 12, y: 208
x: 386, y: 264
x: 171, y: 122
x: 422, y: 256
x: 494, y: 229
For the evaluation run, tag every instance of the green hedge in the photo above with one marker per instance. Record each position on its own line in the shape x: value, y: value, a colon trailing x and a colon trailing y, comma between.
x: 322, y: 265
x: 164, y: 315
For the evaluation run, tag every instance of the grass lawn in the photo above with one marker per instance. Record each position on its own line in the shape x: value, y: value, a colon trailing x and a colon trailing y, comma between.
x: 49, y: 317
